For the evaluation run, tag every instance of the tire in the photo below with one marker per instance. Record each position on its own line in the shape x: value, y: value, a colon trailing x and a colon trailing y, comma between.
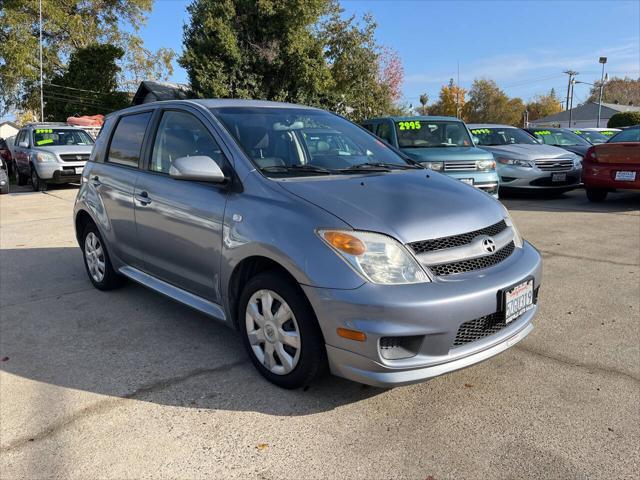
x: 287, y: 366
x: 37, y: 183
x: 94, y: 252
x: 596, y: 194
x: 21, y: 179
x: 4, y: 189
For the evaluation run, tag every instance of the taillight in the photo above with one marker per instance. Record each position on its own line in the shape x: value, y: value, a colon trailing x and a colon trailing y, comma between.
x: 591, y: 155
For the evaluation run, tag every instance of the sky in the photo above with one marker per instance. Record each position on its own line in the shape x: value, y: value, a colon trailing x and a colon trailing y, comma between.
x: 523, y: 45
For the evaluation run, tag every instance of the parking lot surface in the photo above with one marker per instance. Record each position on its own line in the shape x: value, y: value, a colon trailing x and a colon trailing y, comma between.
x: 128, y: 384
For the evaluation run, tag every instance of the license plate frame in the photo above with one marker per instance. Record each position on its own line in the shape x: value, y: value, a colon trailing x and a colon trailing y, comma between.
x: 625, y: 176
x: 467, y: 181
x: 510, y: 314
x: 558, y: 177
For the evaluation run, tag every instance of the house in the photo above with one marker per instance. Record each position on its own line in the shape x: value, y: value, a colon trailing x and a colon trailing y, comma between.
x: 8, y: 129
x: 152, y: 91
x: 584, y: 116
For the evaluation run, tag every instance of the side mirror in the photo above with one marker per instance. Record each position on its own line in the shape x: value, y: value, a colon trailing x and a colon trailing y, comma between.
x: 23, y: 144
x: 199, y: 168
x: 476, y: 140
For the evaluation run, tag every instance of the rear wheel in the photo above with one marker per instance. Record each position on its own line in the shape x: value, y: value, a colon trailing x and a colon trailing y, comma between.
x: 596, y: 194
x: 97, y: 262
x: 280, y: 331
x: 37, y: 183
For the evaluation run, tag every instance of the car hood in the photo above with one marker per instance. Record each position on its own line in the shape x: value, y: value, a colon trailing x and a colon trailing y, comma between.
x: 447, y: 154
x: 577, y: 149
x: 523, y: 151
x: 407, y: 205
x: 67, y: 149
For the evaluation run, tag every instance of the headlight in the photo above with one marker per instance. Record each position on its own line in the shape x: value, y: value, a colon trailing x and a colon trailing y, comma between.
x: 486, y: 164
x: 43, y: 157
x: 435, y: 166
x: 517, y: 238
x: 514, y: 162
x: 577, y: 161
x: 378, y: 258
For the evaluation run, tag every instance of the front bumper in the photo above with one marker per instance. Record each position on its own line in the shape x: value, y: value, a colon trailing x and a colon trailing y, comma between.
x: 533, y: 178
x: 432, y: 311
x: 487, y: 181
x: 54, y: 172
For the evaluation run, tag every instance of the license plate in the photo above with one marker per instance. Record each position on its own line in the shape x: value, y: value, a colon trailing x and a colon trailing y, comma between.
x: 79, y: 170
x: 468, y: 181
x: 517, y: 300
x: 558, y: 177
x: 624, y: 176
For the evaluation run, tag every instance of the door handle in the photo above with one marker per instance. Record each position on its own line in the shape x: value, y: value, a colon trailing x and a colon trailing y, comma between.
x: 143, y: 198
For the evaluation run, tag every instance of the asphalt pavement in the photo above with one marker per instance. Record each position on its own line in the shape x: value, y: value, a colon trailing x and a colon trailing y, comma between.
x: 128, y: 384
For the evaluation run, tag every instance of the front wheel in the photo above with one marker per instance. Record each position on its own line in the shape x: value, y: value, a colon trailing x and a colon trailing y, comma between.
x: 280, y: 331
x: 20, y: 178
x: 596, y: 194
x: 37, y: 183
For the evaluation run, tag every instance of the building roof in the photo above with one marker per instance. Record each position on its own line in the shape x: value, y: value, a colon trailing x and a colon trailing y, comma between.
x: 160, y: 91
x: 587, y: 111
x: 10, y: 123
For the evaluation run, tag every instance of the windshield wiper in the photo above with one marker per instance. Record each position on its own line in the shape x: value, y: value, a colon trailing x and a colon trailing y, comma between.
x: 380, y: 167
x: 297, y: 168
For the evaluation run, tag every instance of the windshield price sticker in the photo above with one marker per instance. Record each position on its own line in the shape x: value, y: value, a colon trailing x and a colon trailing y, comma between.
x: 45, y: 141
x: 480, y: 131
x: 543, y: 132
x: 44, y: 130
x: 413, y: 125
x: 577, y: 131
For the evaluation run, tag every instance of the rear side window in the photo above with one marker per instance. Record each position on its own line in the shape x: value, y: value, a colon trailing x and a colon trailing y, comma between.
x: 384, y: 132
x: 126, y: 142
x: 368, y: 126
x: 629, y: 135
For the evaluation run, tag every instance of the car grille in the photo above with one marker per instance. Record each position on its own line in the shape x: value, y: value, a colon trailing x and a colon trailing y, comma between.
x: 555, y: 164
x: 474, y: 263
x: 484, y: 326
x: 459, y: 166
x: 74, y: 157
x: 456, y: 240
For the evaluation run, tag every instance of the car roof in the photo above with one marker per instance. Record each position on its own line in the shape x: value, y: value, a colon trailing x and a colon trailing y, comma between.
x: 489, y: 125
x: 410, y: 118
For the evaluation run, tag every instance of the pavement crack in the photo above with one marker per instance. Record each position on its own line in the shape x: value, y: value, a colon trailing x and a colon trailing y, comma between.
x: 578, y: 257
x: 590, y: 367
x: 108, y: 404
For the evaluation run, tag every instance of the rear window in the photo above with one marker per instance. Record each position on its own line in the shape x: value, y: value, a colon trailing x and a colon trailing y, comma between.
x: 126, y: 142
x: 629, y: 135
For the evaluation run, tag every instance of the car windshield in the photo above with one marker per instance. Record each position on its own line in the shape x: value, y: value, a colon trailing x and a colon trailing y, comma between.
x: 591, y: 137
x: 558, y: 137
x: 628, y: 135
x: 429, y: 134
x: 54, y: 137
x: 297, y: 141
x: 494, y: 136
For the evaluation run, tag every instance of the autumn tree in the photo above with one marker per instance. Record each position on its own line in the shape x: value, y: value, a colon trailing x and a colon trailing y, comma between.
x: 489, y: 104
x: 625, y: 91
x: 67, y: 26
x: 450, y: 102
x: 544, y: 105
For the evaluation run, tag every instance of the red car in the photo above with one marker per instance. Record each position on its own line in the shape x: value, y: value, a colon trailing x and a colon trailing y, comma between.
x: 5, y: 155
x: 614, y: 165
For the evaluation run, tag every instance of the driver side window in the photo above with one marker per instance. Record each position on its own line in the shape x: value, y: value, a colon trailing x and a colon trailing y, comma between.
x: 180, y: 134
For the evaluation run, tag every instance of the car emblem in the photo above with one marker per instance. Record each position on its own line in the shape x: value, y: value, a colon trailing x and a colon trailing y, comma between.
x: 489, y: 245
x: 78, y: 157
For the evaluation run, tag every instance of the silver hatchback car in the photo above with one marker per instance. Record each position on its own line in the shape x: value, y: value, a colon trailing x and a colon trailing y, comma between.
x: 338, y: 254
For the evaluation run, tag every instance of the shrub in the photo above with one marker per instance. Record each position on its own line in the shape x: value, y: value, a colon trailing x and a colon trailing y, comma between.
x: 624, y: 119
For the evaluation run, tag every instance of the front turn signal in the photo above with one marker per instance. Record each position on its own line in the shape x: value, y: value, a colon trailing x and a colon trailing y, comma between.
x: 352, y: 334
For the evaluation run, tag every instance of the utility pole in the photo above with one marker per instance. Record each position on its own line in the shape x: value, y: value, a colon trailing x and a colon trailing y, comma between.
x: 41, y: 84
x: 458, y: 93
x: 571, y: 74
x: 602, y: 60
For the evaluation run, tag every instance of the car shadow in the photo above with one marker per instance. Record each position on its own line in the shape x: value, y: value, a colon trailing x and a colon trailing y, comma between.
x: 574, y: 201
x: 133, y: 343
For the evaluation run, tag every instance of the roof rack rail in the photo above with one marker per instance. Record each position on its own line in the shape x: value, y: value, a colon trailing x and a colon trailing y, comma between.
x: 31, y: 124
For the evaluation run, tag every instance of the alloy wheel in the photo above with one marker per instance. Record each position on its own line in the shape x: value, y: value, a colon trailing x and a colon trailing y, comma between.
x: 94, y: 256
x: 273, y: 332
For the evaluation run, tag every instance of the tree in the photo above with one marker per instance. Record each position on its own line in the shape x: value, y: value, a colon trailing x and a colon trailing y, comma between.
x: 422, y: 109
x: 451, y: 101
x: 92, y: 67
x: 248, y: 49
x: 300, y: 51
x: 67, y: 26
x: 488, y: 104
x: 625, y: 91
x: 624, y: 119
x: 544, y: 105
